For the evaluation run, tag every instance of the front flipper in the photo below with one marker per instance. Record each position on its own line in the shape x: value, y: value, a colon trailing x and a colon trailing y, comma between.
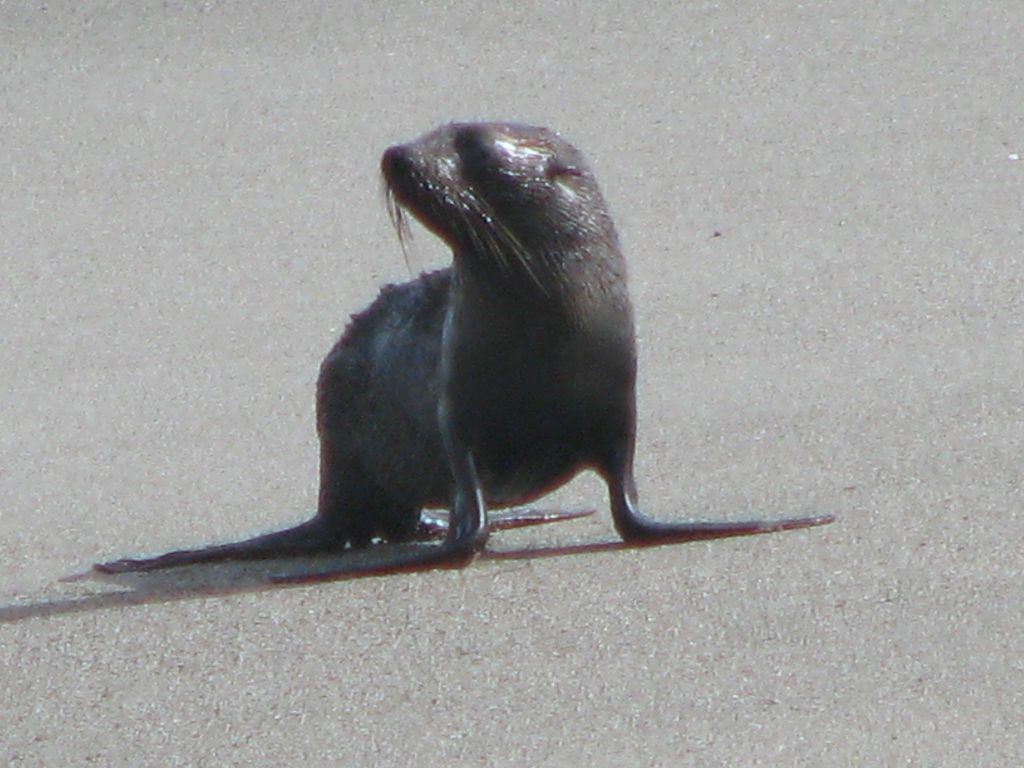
x: 466, y: 531
x: 387, y: 559
x: 309, y: 538
x: 646, y: 532
x: 639, y: 530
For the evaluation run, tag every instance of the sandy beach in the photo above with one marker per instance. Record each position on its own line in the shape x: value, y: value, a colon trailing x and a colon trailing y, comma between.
x: 823, y: 211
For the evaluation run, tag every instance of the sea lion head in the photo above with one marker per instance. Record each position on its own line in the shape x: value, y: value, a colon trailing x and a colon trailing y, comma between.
x: 515, y: 193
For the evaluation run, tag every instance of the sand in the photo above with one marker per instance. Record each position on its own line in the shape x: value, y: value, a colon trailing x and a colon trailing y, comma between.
x: 822, y: 209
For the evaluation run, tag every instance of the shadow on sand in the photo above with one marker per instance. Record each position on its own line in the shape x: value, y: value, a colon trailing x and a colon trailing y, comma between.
x: 201, y: 581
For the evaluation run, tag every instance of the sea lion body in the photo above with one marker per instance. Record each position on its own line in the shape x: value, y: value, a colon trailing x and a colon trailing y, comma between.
x: 489, y: 383
x: 535, y: 370
x: 381, y: 455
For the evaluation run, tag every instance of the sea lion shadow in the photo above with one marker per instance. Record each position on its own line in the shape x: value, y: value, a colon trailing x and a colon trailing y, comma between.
x: 224, y: 579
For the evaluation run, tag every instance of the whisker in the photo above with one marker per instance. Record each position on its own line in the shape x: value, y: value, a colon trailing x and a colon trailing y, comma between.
x: 400, y: 221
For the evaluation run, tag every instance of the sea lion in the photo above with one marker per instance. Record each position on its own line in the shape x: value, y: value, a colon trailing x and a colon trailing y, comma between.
x: 487, y: 384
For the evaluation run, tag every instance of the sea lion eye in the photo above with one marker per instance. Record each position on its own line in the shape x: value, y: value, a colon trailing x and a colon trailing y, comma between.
x: 556, y: 169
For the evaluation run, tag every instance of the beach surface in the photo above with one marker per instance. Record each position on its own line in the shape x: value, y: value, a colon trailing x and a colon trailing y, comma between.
x: 821, y: 205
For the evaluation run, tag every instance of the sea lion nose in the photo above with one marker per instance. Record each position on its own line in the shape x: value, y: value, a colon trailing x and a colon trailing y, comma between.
x: 396, y: 162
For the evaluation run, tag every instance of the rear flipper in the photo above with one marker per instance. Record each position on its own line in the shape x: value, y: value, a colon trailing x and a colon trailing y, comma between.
x: 309, y: 538
x: 434, y: 523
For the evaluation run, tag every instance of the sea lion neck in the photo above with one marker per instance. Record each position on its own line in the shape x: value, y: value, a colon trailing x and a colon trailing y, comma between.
x: 555, y: 282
